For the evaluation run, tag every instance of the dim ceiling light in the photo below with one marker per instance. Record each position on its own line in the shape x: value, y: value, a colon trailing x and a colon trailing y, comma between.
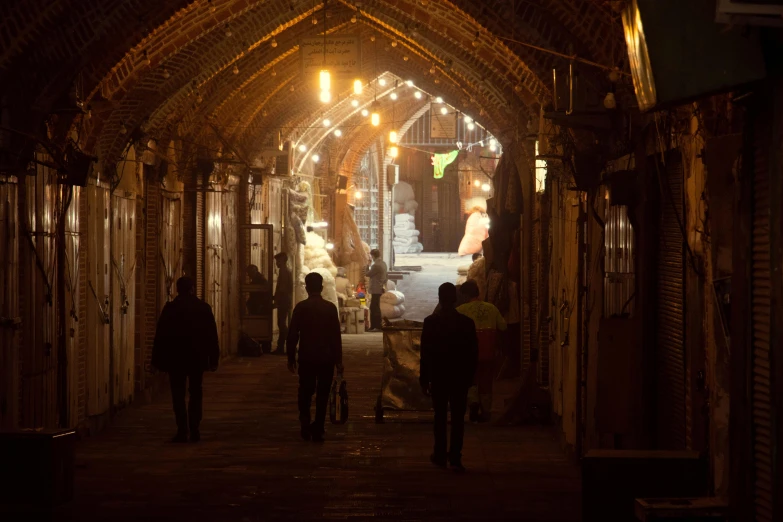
x: 354, y: 103
x: 365, y: 112
x: 417, y: 95
x: 302, y: 148
x: 394, y: 152
x: 393, y: 96
x: 338, y: 132
x: 485, y: 187
x: 236, y: 69
x: 382, y: 82
x: 327, y: 123
x: 357, y: 87
x: 438, y: 100
x: 316, y: 158
x: 273, y: 43
x: 444, y: 110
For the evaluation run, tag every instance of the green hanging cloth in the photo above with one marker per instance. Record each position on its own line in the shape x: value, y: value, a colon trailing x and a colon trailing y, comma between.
x: 441, y: 161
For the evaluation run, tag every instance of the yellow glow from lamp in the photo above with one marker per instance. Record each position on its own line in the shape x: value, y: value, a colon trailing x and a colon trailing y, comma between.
x: 357, y: 87
x: 394, y: 152
x: 393, y: 136
x: 325, y: 96
x: 325, y: 80
x: 476, y: 183
x: 358, y: 195
x: 375, y: 119
x: 365, y: 112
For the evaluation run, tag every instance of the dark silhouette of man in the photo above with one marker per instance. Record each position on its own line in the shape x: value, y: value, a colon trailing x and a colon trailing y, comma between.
x: 255, y: 301
x: 186, y: 344
x: 315, y: 328
x: 449, y: 350
x: 283, y: 298
x: 378, y: 274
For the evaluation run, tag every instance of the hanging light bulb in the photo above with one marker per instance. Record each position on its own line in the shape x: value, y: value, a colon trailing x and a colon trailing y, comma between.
x: 329, y: 246
x: 432, y: 70
x: 471, y: 126
x: 123, y: 129
x: 274, y: 72
x: 229, y: 32
x: 467, y: 118
x: 375, y: 119
x: 492, y: 142
x: 493, y: 147
x: 292, y: 88
x: 357, y: 87
x: 485, y: 187
x: 338, y: 133
x: 264, y: 114
x: 325, y: 80
x: 409, y: 83
x: 315, y: 158
x: 146, y: 58
x: 382, y: 82
x: 444, y: 111
x: 365, y: 112
x: 358, y: 195
x: 393, y: 152
x: 353, y: 19
x: 354, y: 103
x: 394, y: 43
x: 393, y: 136
x: 273, y: 43
x: 476, y: 183
x: 438, y: 100
x: 405, y: 58
x: 302, y: 148
x: 417, y: 95
x: 166, y: 73
x: 236, y: 69
x: 326, y: 122
x: 476, y: 40
x: 325, y: 96
x: 393, y: 96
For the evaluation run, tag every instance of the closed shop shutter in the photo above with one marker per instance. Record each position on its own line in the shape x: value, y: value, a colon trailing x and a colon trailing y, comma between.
x: 123, y: 297
x: 670, y: 354
x: 760, y: 385
x: 9, y: 303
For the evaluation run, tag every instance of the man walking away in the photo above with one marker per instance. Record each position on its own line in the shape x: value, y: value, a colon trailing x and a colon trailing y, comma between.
x: 282, y: 300
x: 378, y: 273
x: 449, y: 349
x: 315, y: 327
x: 186, y: 344
x: 489, y: 322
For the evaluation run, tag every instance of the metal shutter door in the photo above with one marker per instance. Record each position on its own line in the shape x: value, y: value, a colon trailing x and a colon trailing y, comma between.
x: 670, y: 354
x: 760, y: 386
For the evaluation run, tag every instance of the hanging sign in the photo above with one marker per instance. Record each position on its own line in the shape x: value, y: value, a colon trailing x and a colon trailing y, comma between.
x: 340, y: 55
x: 443, y: 125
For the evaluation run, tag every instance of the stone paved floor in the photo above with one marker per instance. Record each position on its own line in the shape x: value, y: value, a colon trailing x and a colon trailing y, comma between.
x: 421, y: 288
x: 252, y: 466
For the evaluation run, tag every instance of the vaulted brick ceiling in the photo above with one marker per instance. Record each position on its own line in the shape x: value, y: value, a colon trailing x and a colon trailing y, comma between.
x: 167, y: 69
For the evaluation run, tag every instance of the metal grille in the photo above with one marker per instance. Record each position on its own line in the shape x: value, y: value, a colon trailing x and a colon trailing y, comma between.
x: 670, y: 355
x: 123, y: 296
x: 366, y: 209
x: 619, y: 277
x: 760, y: 385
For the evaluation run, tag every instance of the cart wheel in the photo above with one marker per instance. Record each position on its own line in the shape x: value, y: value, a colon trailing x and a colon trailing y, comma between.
x: 378, y: 411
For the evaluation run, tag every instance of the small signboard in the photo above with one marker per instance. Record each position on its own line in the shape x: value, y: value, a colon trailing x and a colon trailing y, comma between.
x: 340, y: 55
x: 443, y: 126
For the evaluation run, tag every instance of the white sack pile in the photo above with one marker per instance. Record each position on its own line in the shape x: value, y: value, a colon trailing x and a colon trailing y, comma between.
x: 392, y: 304
x: 316, y: 258
x: 476, y: 231
x: 406, y: 237
x: 329, y: 292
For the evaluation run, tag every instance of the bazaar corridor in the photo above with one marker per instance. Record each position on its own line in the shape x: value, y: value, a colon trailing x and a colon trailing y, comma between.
x: 251, y: 464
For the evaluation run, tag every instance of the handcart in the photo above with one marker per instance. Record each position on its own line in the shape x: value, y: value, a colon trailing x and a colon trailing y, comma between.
x: 400, y: 389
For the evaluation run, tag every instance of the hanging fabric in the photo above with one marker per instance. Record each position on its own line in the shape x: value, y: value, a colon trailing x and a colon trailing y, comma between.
x: 441, y: 161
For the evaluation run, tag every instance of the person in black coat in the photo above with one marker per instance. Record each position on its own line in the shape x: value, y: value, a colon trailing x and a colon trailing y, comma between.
x: 186, y: 344
x: 449, y: 354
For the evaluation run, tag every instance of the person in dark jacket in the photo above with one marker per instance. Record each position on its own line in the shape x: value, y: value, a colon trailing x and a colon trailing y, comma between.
x: 284, y: 296
x: 378, y: 274
x: 449, y: 353
x: 315, y: 328
x: 186, y: 344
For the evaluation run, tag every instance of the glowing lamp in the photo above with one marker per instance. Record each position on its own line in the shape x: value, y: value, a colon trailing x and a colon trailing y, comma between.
x: 357, y: 86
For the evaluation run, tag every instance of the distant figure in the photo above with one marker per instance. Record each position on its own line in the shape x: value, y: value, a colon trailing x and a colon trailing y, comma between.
x: 449, y: 349
x: 378, y: 274
x: 488, y: 321
x: 255, y: 302
x: 315, y: 327
x: 186, y: 344
x: 284, y: 296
